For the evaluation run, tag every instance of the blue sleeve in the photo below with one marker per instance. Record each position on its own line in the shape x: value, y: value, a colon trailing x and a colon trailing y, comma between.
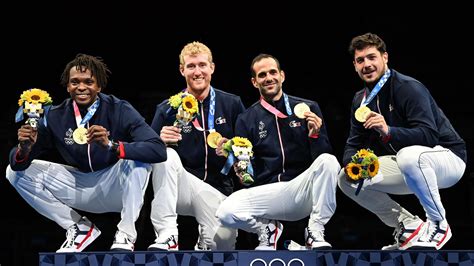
x: 241, y: 128
x: 158, y: 120
x: 417, y: 107
x: 43, y: 143
x: 146, y: 146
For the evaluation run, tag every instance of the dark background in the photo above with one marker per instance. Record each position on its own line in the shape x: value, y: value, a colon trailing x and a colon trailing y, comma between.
x: 141, y: 43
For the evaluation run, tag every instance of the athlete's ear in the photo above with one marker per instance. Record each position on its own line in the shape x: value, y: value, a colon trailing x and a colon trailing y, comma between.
x: 385, y: 57
x: 282, y: 73
x: 254, y: 82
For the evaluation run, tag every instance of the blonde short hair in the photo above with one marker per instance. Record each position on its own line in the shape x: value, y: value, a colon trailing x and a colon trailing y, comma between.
x: 193, y: 49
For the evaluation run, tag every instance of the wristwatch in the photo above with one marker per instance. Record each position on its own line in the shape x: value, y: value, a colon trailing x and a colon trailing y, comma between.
x: 113, y: 146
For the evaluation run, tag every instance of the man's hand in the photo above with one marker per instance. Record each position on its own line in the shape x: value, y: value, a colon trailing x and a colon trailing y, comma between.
x: 314, y: 123
x: 377, y: 122
x: 98, y: 134
x: 170, y: 134
x: 220, y: 150
x: 27, y: 136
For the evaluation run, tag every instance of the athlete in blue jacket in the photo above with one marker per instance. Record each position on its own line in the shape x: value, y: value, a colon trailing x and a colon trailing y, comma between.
x: 420, y: 152
x: 295, y: 176
x: 189, y: 182
x: 107, y: 170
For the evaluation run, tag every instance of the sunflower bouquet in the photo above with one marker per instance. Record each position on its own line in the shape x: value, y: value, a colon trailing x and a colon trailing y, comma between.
x: 364, y: 165
x: 187, y: 108
x: 33, y: 102
x: 238, y: 151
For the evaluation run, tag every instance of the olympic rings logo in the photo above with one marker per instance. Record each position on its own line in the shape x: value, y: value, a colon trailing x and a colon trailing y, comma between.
x: 278, y: 261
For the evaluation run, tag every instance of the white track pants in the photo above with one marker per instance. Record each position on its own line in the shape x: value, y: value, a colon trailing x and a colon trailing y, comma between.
x: 415, y: 170
x: 54, y: 189
x: 179, y: 192
x: 311, y: 193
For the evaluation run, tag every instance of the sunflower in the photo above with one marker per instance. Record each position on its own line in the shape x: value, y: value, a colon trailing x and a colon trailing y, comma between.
x: 354, y: 171
x: 190, y: 104
x: 362, y: 153
x: 175, y: 100
x: 373, y: 168
x: 364, y: 164
x: 241, y: 142
x: 35, y: 96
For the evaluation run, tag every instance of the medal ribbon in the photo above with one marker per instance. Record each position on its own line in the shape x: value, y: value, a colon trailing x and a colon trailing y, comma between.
x: 376, y: 89
x: 81, y: 122
x: 275, y: 111
x: 210, y: 116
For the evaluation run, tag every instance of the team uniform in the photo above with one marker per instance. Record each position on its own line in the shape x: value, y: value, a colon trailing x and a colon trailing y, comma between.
x: 95, y: 179
x: 295, y: 176
x: 422, y: 153
x: 190, y: 182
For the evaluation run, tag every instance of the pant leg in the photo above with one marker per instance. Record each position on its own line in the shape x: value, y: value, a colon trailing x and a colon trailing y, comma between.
x: 375, y: 198
x: 199, y: 199
x: 315, y: 187
x: 165, y: 178
x: 54, y: 189
x: 133, y: 182
x: 247, y: 209
x: 180, y: 192
x: 425, y: 171
x: 30, y: 185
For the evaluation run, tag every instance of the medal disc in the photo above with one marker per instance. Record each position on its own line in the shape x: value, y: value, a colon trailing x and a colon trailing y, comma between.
x: 361, y: 113
x: 80, y: 135
x: 300, y: 109
x: 213, y: 139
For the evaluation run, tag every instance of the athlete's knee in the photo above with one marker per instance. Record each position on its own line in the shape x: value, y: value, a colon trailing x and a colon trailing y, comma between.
x: 225, y: 213
x: 344, y: 183
x: 328, y: 161
x: 173, y: 162
x: 11, y: 175
x: 409, y: 159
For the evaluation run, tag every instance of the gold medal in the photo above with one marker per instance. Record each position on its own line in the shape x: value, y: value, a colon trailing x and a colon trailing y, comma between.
x: 361, y: 113
x: 213, y: 139
x: 80, y: 135
x: 300, y: 109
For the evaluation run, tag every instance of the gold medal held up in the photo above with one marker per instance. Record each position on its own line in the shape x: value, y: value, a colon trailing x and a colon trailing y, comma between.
x: 361, y: 113
x: 300, y: 109
x: 213, y: 139
x: 80, y: 135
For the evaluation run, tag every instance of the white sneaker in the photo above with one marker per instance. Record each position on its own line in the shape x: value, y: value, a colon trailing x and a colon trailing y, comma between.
x: 315, y: 239
x: 122, y: 242
x: 407, y: 232
x: 269, y: 235
x: 435, y: 235
x: 170, y: 243
x: 79, y: 236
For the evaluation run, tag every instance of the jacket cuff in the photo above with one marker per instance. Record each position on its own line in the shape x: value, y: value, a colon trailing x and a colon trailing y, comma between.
x: 17, y: 155
x: 121, y: 150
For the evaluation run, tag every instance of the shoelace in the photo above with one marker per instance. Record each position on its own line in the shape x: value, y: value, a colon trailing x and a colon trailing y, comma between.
x: 396, y: 235
x: 430, y: 232
x: 264, y: 236
x: 317, y: 235
x: 70, y: 237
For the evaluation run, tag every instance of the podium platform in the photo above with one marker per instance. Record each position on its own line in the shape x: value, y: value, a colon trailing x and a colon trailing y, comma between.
x: 263, y: 258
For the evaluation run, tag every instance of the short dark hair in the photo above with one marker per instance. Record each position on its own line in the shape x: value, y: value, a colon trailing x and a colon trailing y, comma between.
x: 82, y: 62
x: 260, y: 57
x: 369, y: 39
